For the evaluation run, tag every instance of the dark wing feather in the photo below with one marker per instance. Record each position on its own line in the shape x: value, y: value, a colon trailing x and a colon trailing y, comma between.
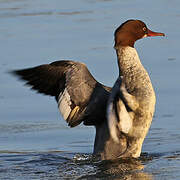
x: 80, y: 97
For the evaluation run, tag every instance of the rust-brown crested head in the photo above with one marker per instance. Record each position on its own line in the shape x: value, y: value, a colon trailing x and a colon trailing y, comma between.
x: 130, y: 31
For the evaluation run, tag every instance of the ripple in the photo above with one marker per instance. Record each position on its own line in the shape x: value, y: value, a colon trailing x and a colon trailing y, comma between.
x: 13, y: 13
x: 54, y: 164
x: 75, y: 12
x: 28, y: 127
x: 66, y: 165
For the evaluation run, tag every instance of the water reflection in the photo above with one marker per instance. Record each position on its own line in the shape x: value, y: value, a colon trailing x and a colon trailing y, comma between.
x: 57, y: 164
x: 129, y: 176
x: 118, y: 169
x: 126, y: 168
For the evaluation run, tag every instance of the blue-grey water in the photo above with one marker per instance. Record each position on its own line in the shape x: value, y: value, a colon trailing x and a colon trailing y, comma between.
x: 35, y: 142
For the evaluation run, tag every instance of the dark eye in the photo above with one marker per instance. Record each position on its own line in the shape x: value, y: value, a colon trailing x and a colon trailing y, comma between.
x: 144, y: 29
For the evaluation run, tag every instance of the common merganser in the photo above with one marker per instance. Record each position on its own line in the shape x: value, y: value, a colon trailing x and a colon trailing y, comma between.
x: 121, y: 115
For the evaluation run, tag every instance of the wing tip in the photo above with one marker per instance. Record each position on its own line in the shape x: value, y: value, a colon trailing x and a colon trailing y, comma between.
x: 12, y: 72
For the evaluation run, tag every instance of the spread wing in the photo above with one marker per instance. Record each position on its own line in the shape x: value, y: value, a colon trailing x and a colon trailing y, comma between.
x: 79, y: 96
x: 119, y: 114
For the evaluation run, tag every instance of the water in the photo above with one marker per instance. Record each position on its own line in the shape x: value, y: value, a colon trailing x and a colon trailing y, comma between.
x: 35, y: 142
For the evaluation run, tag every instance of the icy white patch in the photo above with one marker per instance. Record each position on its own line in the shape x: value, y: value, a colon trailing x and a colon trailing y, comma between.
x: 64, y: 103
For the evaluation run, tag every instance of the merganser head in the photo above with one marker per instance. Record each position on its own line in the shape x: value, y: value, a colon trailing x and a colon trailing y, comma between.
x: 130, y: 31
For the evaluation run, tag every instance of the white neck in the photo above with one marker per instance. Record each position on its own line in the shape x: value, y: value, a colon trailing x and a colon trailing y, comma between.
x: 134, y: 74
x: 128, y: 59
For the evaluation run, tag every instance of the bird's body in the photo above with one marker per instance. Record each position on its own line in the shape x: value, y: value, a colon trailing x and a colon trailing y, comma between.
x: 133, y: 102
x: 121, y: 115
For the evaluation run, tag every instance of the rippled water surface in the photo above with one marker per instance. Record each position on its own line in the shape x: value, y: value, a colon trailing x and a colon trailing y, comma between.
x: 35, y: 142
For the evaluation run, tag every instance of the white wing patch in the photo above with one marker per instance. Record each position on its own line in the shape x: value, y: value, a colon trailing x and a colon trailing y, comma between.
x: 64, y: 104
x: 125, y: 121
